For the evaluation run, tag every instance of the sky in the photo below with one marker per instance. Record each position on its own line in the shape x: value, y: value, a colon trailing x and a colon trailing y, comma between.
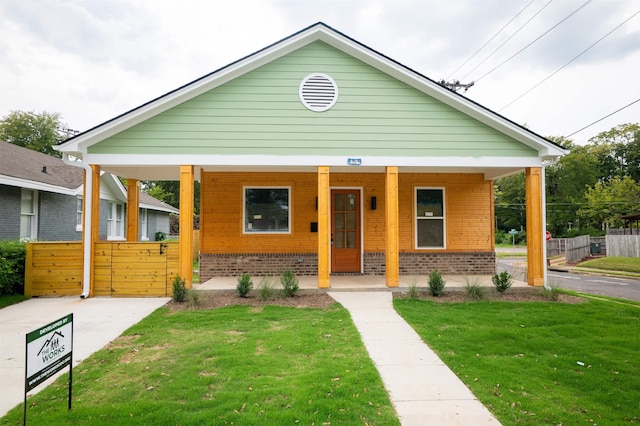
x: 92, y: 60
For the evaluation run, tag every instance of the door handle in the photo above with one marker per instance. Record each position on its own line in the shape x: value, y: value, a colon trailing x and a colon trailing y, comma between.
x: 162, y: 247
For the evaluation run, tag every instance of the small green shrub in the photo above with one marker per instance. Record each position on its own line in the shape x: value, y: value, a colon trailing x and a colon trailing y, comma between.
x: 265, y: 289
x: 502, y: 281
x: 290, y: 283
x: 179, y: 289
x: 474, y: 290
x: 161, y: 236
x: 436, y: 283
x: 193, y: 297
x: 12, y: 260
x: 552, y: 293
x: 245, y: 285
x: 413, y: 290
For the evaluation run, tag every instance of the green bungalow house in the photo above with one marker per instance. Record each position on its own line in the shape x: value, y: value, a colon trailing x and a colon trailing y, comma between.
x: 320, y: 155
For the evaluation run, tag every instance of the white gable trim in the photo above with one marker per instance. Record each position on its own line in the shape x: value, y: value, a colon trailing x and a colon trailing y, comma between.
x: 321, y: 32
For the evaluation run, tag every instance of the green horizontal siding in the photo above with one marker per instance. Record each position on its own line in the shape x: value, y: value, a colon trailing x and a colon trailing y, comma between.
x: 260, y: 113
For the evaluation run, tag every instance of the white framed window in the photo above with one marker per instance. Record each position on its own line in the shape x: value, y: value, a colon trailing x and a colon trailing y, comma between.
x: 144, y: 227
x: 79, y: 210
x: 115, y: 221
x: 430, y: 218
x: 28, y: 214
x: 266, y: 210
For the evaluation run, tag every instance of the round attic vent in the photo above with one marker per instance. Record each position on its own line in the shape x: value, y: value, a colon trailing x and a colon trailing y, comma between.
x: 318, y: 92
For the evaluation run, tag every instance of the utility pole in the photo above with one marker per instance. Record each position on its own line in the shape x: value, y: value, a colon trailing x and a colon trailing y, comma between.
x: 455, y: 85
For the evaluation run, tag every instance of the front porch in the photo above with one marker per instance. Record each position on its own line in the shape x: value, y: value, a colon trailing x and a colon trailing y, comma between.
x: 365, y: 282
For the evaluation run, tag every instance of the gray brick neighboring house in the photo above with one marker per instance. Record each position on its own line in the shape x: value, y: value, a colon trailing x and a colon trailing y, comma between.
x: 41, y: 199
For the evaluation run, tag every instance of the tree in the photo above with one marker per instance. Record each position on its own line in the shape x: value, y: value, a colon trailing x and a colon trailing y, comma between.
x: 618, y: 151
x: 37, y: 131
x: 608, y: 201
x: 169, y: 192
x: 510, y: 202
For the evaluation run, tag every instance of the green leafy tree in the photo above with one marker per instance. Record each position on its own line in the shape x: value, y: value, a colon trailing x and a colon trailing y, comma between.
x: 510, y: 202
x: 37, y: 131
x: 169, y: 192
x: 608, y: 201
x: 618, y: 151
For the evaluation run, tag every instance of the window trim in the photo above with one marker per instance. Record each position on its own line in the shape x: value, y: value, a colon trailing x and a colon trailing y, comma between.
x: 79, y: 213
x: 113, y: 222
x: 443, y: 218
x: 33, y: 217
x: 144, y: 224
x: 244, y: 210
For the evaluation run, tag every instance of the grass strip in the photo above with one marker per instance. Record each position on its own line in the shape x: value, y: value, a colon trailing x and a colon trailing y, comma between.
x: 539, y: 363
x: 10, y: 299
x: 236, y: 365
x: 625, y: 264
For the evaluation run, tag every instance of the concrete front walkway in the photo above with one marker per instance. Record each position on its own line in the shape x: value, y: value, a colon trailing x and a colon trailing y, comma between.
x: 423, y: 390
x: 96, y: 322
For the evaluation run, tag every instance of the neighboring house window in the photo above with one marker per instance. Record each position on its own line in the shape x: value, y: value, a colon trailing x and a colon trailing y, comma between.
x: 115, y: 221
x: 79, y: 209
x: 144, y: 228
x: 266, y: 210
x: 28, y: 216
x: 430, y: 218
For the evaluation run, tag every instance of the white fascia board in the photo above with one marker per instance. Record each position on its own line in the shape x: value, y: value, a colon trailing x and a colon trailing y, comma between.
x: 160, y: 209
x: 29, y: 184
x: 140, y: 160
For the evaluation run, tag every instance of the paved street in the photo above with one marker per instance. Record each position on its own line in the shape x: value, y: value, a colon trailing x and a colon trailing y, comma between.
x: 621, y: 288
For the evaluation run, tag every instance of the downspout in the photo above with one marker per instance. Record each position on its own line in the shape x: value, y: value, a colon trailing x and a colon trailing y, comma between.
x: 544, y: 227
x: 86, y: 229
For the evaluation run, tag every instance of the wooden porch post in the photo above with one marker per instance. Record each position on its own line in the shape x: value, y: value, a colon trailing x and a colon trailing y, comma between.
x: 391, y: 226
x: 324, y: 233
x: 95, y: 222
x: 185, y: 242
x: 535, y: 258
x: 133, y: 209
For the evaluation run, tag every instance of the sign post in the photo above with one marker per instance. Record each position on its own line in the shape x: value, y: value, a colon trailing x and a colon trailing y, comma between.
x: 513, y: 233
x: 49, y: 349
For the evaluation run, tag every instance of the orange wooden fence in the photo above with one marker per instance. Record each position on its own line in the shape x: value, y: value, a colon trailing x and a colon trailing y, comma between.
x: 121, y: 268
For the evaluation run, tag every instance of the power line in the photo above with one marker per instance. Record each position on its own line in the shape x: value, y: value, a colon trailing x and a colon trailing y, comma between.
x: 509, y: 38
x: 491, y: 39
x: 605, y: 117
x: 565, y: 65
x: 538, y: 38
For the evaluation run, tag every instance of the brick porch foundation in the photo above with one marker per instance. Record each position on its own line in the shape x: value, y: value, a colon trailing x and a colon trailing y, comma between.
x: 306, y: 264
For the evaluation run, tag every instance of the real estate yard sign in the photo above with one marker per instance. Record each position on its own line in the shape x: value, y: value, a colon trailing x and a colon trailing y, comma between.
x: 49, y: 349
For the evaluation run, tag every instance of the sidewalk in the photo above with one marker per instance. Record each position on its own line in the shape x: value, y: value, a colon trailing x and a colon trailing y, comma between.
x: 423, y: 390
x: 96, y: 322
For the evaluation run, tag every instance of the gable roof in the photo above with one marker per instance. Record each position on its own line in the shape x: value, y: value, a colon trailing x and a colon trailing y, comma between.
x: 317, y: 32
x: 31, y: 169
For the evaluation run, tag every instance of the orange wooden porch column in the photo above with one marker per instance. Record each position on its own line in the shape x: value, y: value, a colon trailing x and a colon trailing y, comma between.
x: 391, y: 226
x: 324, y: 234
x: 185, y: 241
x: 535, y: 257
x: 133, y: 209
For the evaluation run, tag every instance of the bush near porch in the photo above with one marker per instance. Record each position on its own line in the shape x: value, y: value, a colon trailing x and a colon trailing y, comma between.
x: 12, y: 258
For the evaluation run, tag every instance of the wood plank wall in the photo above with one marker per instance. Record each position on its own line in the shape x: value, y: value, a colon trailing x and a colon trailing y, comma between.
x: 121, y: 269
x: 468, y: 201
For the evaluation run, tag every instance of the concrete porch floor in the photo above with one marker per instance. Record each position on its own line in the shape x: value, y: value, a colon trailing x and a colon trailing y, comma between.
x: 361, y: 282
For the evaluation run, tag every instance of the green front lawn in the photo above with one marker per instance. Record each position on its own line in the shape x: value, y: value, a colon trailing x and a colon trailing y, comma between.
x: 236, y: 365
x: 539, y: 362
x: 624, y: 264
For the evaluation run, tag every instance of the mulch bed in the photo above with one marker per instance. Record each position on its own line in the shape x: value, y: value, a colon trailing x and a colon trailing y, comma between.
x: 319, y: 299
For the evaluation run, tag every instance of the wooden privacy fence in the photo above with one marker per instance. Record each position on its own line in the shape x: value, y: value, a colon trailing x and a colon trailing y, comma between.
x: 121, y: 268
x: 623, y: 245
x: 578, y: 248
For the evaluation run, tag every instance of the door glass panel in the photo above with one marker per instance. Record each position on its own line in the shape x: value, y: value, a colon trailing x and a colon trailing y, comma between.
x: 338, y: 220
x: 351, y: 220
x: 351, y: 239
x: 338, y: 240
x: 338, y: 201
x: 351, y: 202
